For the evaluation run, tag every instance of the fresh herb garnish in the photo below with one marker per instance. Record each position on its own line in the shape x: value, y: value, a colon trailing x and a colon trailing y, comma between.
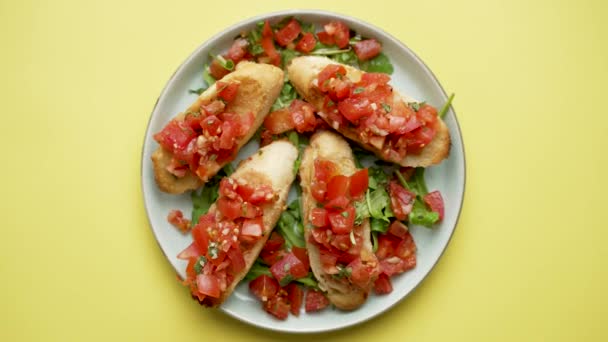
x: 446, y: 106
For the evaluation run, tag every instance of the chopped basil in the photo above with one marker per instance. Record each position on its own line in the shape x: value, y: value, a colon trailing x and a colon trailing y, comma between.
x: 309, y: 281
x: 358, y: 90
x: 343, y: 272
x: 199, y: 264
x: 287, y: 95
x: 213, y: 250
x: 286, y: 280
x: 344, y: 214
x: 386, y: 107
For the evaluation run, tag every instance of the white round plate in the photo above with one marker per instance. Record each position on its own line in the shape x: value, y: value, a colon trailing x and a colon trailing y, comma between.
x: 411, y: 76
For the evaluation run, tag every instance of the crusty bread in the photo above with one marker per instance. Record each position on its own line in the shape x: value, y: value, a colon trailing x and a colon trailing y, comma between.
x: 330, y: 146
x: 271, y: 165
x: 260, y: 85
x: 302, y: 71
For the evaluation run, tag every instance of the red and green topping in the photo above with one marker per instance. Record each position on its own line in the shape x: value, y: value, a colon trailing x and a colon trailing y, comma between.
x: 370, y: 108
x: 208, y: 134
x: 220, y: 237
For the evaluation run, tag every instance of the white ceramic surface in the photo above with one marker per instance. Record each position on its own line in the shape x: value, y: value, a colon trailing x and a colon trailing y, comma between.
x: 411, y: 76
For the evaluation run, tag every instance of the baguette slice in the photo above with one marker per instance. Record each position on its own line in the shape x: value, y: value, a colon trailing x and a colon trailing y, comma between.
x: 302, y: 73
x: 260, y: 85
x: 272, y: 165
x: 330, y: 146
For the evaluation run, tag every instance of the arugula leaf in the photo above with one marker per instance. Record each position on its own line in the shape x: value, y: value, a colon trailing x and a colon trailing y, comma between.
x: 348, y: 57
x: 210, y: 80
x: 380, y: 63
x: 377, y: 200
x: 377, y: 225
x: 287, y: 95
x: 361, y: 212
x: 287, y: 55
x: 324, y: 50
x: 422, y: 215
x: 205, y: 197
x: 374, y: 242
x: 309, y: 281
x: 290, y: 226
x: 257, y: 270
x: 377, y: 177
x: 307, y: 27
x: 254, y: 37
x: 446, y: 106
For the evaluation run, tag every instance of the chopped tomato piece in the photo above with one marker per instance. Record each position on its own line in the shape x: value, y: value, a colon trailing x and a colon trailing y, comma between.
x: 367, y: 49
x: 262, y: 194
x: 407, y: 247
x: 175, y: 136
x: 208, y: 285
x: 383, y: 285
x: 288, y: 33
x: 302, y: 116
x: 339, y: 31
x: 243, y: 190
x: 339, y: 202
x: 201, y: 237
x: 402, y: 200
x: 230, y: 209
x: 338, y: 186
x: 228, y: 92
x: 211, y: 125
x: 290, y: 265
x: 359, y: 181
x: 264, y: 287
x: 328, y: 261
x: 326, y: 38
x: 217, y: 70
x: 279, y: 121
x: 330, y: 71
x: 315, y: 301
x: 238, y: 50
x: 355, y: 108
x: 215, y: 107
x: 267, y: 30
x: 435, y: 202
x: 228, y: 137
x: 302, y: 255
x: 385, y: 247
x: 307, y: 43
x: 342, y: 222
x: 253, y: 227
x: 318, y: 190
x: 274, y: 243
x: 237, y: 261
x: 377, y: 78
x: 191, y: 251
x: 361, y: 274
x: 228, y: 188
x: 278, y: 307
x: 270, y: 50
x: 176, y: 218
x: 324, y: 169
x: 318, y: 217
x: 427, y: 113
x: 295, y: 295
x: 398, y: 229
x: 341, y: 242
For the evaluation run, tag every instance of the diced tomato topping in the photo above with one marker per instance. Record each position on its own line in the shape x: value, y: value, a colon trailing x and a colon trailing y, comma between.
x: 341, y: 242
x: 325, y: 38
x: 342, y: 222
x: 339, y: 31
x: 383, y: 285
x: 435, y: 202
x: 315, y: 301
x: 339, y: 202
x: 359, y: 182
x: 419, y: 138
x: 264, y: 287
x: 290, y: 265
x: 278, y: 307
x: 238, y: 50
x: 217, y: 70
x: 361, y: 274
x: 307, y: 43
x: 227, y: 91
x: 355, y: 108
x: 175, y: 136
x: 288, y: 33
x: 176, y: 218
x: 370, y: 78
x: 200, y: 237
x: 302, y: 116
x: 302, y: 255
x: 367, y: 49
x: 267, y: 30
x: 270, y: 50
x: 328, y: 260
x: 337, y: 186
x: 230, y: 209
x: 427, y: 114
x: 214, y: 107
x: 330, y: 71
x: 228, y: 188
x: 318, y: 217
x: 229, y: 133
x: 385, y: 247
x: 398, y: 229
x: 295, y: 296
x: 324, y: 169
x: 208, y: 285
x: 244, y: 190
x: 402, y: 200
x: 279, y: 121
x: 237, y: 261
x: 191, y: 251
x: 318, y: 190
x: 274, y: 243
x: 253, y: 227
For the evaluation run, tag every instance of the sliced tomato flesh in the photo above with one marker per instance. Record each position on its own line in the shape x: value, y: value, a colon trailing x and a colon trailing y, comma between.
x: 315, y: 301
x: 264, y: 287
x: 435, y: 201
x: 367, y: 49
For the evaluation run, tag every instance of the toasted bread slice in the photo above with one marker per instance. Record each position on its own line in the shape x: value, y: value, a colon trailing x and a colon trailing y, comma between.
x: 330, y: 146
x: 272, y: 165
x: 303, y: 72
x: 260, y: 85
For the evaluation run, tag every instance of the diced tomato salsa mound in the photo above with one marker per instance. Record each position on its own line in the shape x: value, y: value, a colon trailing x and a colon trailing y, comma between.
x: 208, y: 134
x: 221, y: 236
x: 371, y: 110
x: 334, y: 230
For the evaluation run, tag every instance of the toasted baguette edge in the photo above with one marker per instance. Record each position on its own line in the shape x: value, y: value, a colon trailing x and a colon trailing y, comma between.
x: 260, y: 85
x: 303, y: 70
x: 271, y: 165
x: 330, y: 146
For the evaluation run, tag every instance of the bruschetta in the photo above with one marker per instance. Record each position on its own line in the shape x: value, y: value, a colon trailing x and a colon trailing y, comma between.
x: 339, y: 248
x: 197, y: 143
x: 364, y: 108
x: 228, y: 239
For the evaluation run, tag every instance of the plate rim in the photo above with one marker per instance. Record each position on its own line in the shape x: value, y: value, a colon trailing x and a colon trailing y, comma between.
x: 401, y: 45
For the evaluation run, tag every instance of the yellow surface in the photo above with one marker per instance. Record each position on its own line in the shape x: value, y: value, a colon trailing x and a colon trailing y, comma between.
x: 528, y: 261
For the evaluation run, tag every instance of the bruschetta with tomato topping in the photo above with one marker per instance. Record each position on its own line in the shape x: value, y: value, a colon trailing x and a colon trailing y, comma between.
x: 364, y: 108
x: 228, y: 239
x: 339, y: 246
x: 197, y: 143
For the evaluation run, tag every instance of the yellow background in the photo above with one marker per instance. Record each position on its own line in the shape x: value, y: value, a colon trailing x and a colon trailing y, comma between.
x: 528, y: 261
